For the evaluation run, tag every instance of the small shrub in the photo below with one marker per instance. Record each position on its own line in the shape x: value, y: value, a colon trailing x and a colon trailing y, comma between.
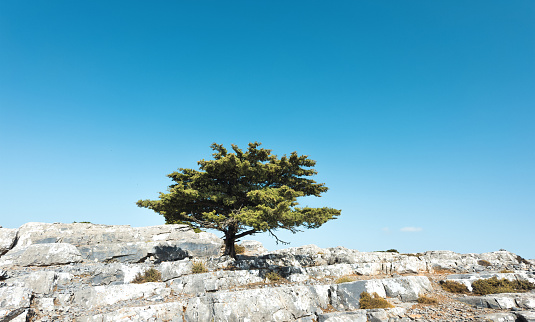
x: 506, y: 271
x: 373, y: 301
x: 273, y: 276
x: 483, y: 262
x: 422, y: 299
x: 454, y: 287
x: 239, y: 249
x: 392, y: 251
x: 198, y: 268
x: 344, y: 279
x: 150, y: 275
x: 494, y: 285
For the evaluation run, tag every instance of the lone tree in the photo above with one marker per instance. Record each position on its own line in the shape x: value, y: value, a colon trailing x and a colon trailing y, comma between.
x: 243, y: 193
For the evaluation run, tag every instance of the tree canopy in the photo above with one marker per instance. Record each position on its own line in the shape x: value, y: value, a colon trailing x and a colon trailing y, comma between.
x: 243, y: 193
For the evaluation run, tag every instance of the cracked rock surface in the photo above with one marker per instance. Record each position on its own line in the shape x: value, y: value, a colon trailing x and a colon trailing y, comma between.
x: 85, y: 272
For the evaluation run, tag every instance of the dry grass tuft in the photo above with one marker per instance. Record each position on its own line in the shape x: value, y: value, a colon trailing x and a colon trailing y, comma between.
x: 344, y: 279
x: 454, y: 287
x: 198, y: 268
x: 150, y: 275
x: 373, y: 301
x: 427, y: 300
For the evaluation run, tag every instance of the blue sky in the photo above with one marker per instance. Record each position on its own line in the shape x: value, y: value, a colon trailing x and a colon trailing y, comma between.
x: 420, y: 114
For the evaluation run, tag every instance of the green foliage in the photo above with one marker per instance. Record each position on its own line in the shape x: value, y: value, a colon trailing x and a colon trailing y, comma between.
x: 483, y: 262
x: 344, y: 279
x: 150, y: 275
x: 243, y: 193
x: 198, y: 267
x: 239, y: 249
x: 374, y: 301
x: 273, y: 276
x: 454, y: 287
x: 422, y: 299
x: 494, y: 285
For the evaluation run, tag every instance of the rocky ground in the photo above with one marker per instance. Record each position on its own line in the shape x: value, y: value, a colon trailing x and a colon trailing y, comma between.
x: 84, y: 272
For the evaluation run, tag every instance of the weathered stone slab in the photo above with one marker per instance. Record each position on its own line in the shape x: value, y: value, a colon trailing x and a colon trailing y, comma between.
x: 214, y: 281
x: 98, y: 296
x: 273, y: 304
x: 503, y: 301
x: 40, y: 282
x: 499, y: 317
x: 14, y: 302
x: 355, y: 316
x: 526, y: 316
x: 42, y: 255
x: 136, y: 252
x: 347, y: 295
x: 407, y: 288
x: 7, y: 239
x: 158, y: 312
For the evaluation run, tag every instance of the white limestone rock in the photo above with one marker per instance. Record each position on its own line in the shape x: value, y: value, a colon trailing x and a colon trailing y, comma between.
x: 14, y: 302
x: 41, y: 255
x: 253, y: 247
x: 213, y: 281
x: 105, y: 295
x: 172, y: 311
x: 346, y: 296
x: 7, y: 239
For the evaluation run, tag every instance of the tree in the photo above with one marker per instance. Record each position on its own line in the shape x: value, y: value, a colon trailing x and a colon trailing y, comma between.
x: 243, y: 193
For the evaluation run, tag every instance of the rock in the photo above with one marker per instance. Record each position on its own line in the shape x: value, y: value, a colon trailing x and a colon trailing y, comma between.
x: 499, y: 317
x: 346, y: 296
x: 213, y: 281
x: 502, y: 301
x: 14, y: 301
x: 356, y: 316
x: 42, y: 282
x: 156, y: 312
x: 253, y: 247
x: 275, y: 304
x: 98, y: 296
x: 7, y: 239
x: 526, y: 316
x: 42, y: 255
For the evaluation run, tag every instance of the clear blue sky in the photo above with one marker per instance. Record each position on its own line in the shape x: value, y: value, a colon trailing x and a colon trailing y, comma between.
x: 420, y: 114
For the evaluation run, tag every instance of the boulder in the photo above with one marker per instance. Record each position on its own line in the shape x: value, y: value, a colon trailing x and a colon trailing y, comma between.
x: 346, y: 296
x: 502, y: 301
x: 155, y: 312
x: 42, y: 255
x: 98, y: 296
x: 253, y: 247
x: 214, y: 281
x: 14, y: 302
x: 7, y: 239
x: 356, y: 316
x: 526, y: 316
x: 499, y: 317
x: 273, y: 304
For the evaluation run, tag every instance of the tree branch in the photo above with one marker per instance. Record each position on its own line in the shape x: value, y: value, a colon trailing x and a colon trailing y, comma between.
x: 245, y: 233
x: 277, y: 240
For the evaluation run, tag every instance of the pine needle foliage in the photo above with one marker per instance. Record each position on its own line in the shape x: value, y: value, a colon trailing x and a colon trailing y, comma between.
x: 242, y: 193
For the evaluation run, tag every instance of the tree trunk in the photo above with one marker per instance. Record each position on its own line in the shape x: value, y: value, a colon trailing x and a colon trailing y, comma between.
x: 230, y: 239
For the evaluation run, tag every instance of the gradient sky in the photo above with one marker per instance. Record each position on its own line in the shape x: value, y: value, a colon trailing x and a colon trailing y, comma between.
x: 420, y: 114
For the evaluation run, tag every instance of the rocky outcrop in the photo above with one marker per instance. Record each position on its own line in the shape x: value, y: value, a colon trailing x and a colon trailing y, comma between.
x: 85, y: 272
